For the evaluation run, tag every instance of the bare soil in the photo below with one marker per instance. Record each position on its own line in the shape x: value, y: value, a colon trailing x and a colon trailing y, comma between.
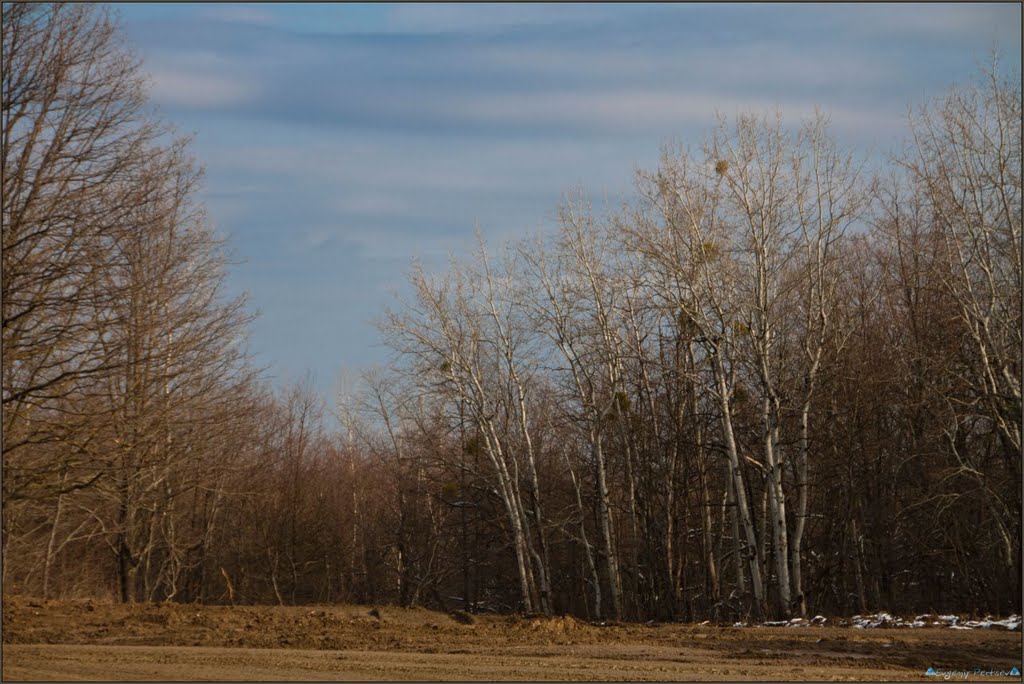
x: 91, y: 640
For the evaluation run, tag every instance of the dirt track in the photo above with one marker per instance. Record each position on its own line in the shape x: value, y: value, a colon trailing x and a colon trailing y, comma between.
x: 88, y: 640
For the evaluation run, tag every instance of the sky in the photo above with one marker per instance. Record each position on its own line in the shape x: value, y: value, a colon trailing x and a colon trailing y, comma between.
x: 343, y: 141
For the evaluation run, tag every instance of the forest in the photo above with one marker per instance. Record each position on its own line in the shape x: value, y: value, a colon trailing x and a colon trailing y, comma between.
x: 774, y: 381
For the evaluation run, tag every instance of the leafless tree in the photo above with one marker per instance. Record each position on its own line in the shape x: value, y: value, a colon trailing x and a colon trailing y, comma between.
x: 75, y: 135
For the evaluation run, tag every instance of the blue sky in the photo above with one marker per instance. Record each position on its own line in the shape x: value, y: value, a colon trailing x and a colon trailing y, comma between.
x: 341, y: 141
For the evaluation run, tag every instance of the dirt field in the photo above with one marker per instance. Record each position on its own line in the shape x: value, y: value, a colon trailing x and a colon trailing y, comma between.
x: 91, y: 640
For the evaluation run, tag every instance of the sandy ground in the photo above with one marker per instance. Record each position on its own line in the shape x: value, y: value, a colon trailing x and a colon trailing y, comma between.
x: 98, y: 641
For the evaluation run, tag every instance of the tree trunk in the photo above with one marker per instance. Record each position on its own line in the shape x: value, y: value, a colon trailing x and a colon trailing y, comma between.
x: 777, y: 506
x: 588, y: 552
x: 711, y: 583
x: 801, y: 515
x: 753, y: 554
x: 605, y: 515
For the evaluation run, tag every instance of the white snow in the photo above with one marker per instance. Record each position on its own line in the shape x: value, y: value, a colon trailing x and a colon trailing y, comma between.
x: 885, y: 619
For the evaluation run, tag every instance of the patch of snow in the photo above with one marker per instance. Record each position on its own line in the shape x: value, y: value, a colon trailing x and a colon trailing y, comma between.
x: 877, y: 620
x: 1011, y: 623
x: 884, y: 619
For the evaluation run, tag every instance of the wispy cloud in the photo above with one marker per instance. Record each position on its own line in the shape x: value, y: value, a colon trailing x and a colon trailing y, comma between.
x: 238, y: 14
x: 618, y: 109
x: 191, y: 88
x: 464, y: 17
x: 939, y: 20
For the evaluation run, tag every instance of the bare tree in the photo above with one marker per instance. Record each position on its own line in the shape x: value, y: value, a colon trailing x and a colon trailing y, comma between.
x: 830, y: 197
x: 183, y: 356
x: 681, y: 233
x: 75, y: 134
x: 457, y: 341
x: 122, y: 357
x: 574, y: 307
x: 966, y: 160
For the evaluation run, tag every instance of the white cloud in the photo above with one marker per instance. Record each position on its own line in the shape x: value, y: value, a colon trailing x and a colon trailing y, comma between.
x: 377, y: 245
x: 374, y: 202
x: 430, y: 17
x: 238, y: 14
x: 315, y: 239
x: 190, y: 88
x: 940, y: 20
x: 419, y: 177
x: 639, y: 109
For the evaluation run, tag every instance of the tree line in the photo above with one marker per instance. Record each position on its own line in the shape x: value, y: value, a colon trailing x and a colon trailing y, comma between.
x: 771, y: 383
